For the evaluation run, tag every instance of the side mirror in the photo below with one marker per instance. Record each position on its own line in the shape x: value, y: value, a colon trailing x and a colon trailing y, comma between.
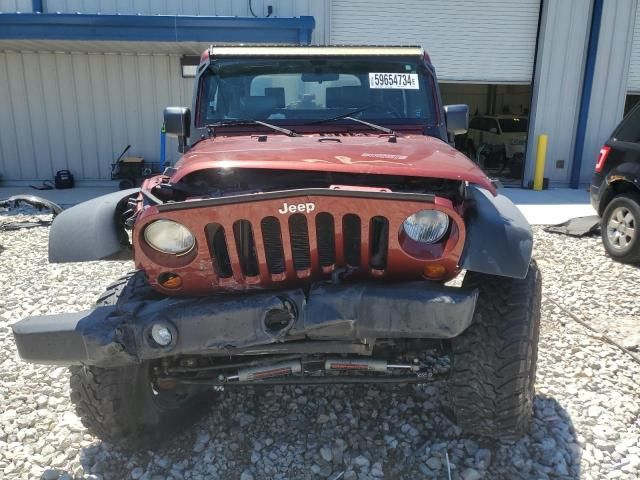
x: 177, y: 123
x: 457, y: 118
x: 493, y: 130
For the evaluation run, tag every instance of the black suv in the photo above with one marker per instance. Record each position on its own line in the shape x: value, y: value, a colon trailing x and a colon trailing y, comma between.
x: 615, y: 190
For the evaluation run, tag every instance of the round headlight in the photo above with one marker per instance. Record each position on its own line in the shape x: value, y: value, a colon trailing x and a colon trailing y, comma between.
x: 170, y: 237
x: 426, y: 226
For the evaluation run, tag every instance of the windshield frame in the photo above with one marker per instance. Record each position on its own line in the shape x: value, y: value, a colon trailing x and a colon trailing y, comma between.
x: 433, y: 128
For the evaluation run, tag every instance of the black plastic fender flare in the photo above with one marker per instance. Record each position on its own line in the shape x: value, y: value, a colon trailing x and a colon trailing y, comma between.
x: 628, y: 173
x: 499, y: 238
x: 88, y: 231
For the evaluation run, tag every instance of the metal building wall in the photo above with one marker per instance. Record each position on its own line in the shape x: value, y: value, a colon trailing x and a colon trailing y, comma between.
x: 473, y: 41
x: 78, y: 111
x: 10, y: 6
x: 610, y: 79
x: 73, y: 109
x: 236, y: 8
x: 633, y: 85
x: 557, y: 85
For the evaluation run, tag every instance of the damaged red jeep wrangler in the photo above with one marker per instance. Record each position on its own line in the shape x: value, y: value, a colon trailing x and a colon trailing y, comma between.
x: 306, y: 236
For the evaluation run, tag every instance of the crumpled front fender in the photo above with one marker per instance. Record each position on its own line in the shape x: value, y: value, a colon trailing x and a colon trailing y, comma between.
x: 499, y: 238
x: 89, y: 231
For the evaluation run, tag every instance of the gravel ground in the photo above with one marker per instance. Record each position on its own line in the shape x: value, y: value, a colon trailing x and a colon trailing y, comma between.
x: 586, y: 411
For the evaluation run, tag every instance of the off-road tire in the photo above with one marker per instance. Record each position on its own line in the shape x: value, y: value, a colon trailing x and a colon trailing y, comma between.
x: 631, y: 202
x: 118, y: 405
x: 493, y: 366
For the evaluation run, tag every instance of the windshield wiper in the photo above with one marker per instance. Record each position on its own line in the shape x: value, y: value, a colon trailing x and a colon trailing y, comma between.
x: 338, y: 117
x: 347, y: 116
x: 372, y: 125
x: 224, y: 123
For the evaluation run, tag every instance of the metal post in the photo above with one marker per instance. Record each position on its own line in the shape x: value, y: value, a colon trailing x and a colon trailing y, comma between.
x: 538, y: 178
x: 163, y: 147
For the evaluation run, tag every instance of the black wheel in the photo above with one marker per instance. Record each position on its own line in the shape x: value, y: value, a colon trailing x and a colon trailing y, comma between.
x: 620, y: 227
x: 493, y: 367
x: 122, y: 405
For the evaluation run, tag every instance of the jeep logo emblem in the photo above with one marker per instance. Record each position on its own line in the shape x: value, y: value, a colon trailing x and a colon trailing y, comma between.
x: 300, y: 207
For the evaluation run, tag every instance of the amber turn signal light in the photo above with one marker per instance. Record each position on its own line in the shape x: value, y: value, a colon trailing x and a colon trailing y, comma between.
x: 170, y: 280
x: 435, y: 271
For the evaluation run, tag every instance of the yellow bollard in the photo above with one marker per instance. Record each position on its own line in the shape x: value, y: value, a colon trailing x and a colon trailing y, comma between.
x: 538, y: 178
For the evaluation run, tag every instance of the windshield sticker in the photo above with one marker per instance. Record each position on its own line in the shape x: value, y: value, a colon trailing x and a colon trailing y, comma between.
x: 403, y: 81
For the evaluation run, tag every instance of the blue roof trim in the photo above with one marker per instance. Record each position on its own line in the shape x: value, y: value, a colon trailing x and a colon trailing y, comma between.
x: 159, y: 28
x: 585, y: 100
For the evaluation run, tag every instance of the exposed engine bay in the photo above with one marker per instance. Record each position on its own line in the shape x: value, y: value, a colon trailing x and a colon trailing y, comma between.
x: 223, y: 182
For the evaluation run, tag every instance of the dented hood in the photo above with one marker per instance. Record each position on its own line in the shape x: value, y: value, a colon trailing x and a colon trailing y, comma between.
x: 411, y: 155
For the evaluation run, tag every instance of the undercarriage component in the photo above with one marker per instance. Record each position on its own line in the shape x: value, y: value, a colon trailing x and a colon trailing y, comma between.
x: 364, y: 364
x: 300, y: 372
x: 303, y: 380
x: 271, y: 371
x: 400, y: 366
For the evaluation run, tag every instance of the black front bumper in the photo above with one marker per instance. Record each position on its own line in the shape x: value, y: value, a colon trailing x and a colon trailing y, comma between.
x: 248, y: 324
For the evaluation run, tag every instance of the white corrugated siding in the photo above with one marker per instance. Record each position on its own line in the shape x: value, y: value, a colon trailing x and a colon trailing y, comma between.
x: 470, y: 40
x: 78, y: 111
x: 634, y: 67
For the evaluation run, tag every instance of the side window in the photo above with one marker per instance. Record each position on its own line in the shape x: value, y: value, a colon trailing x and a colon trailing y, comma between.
x: 629, y: 130
x: 493, y: 124
x: 475, y: 123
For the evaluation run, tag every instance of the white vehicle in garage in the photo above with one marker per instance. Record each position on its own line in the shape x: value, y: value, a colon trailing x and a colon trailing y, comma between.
x: 497, y: 142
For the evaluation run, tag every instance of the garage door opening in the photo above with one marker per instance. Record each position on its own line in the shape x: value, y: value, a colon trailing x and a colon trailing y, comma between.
x: 498, y: 127
x: 631, y: 101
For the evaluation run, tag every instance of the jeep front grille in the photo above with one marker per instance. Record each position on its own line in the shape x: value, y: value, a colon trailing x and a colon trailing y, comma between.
x: 351, y: 235
x: 217, y: 241
x: 326, y: 238
x: 378, y: 242
x: 298, y: 241
x: 299, y: 233
x: 280, y: 240
x: 272, y: 240
x: 246, y: 245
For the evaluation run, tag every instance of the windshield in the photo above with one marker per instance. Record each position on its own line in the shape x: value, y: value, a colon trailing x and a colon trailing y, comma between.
x: 301, y: 91
x: 514, y: 125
